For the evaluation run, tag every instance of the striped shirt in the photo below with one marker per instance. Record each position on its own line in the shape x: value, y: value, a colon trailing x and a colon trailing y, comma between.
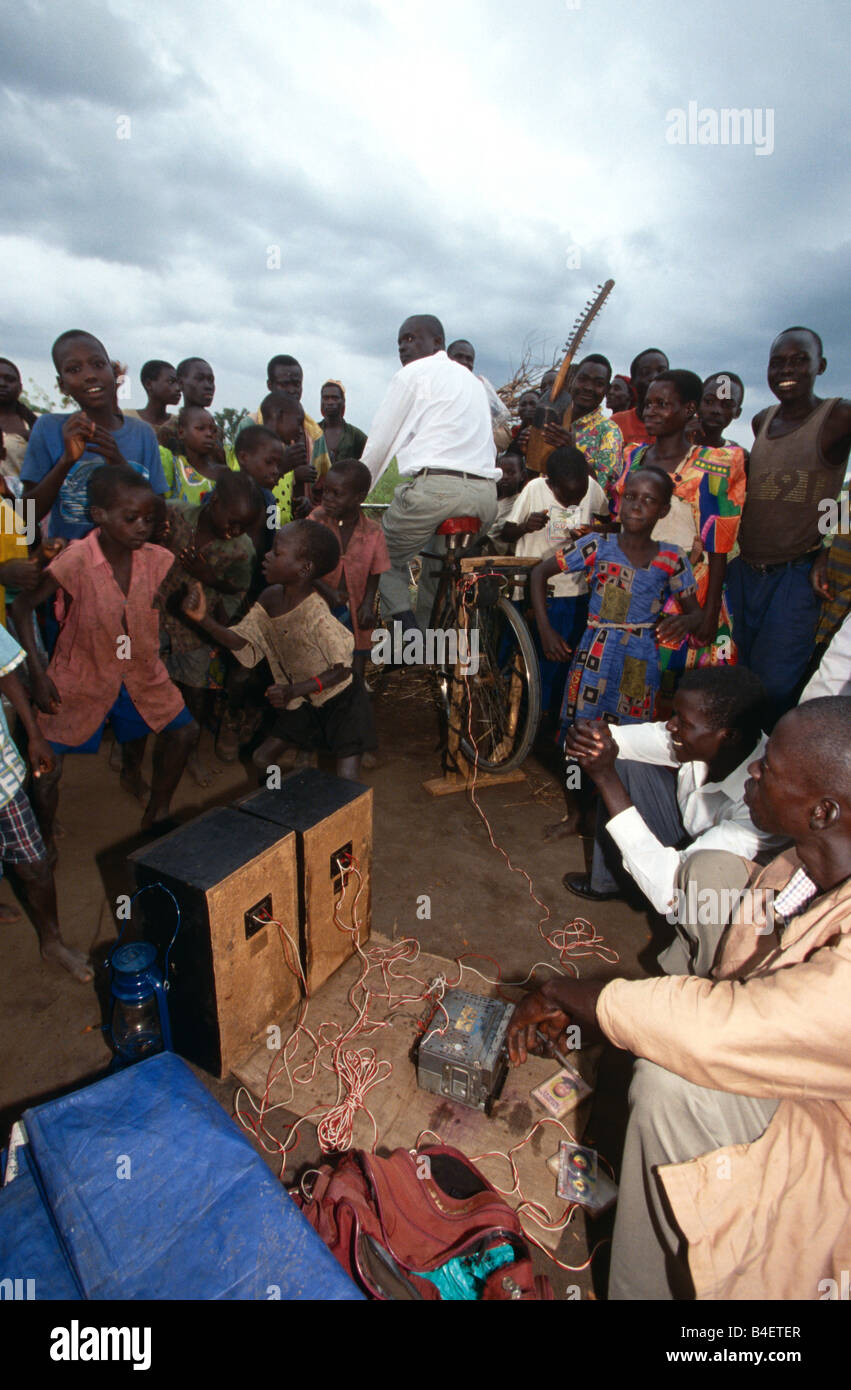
x: 12, y: 770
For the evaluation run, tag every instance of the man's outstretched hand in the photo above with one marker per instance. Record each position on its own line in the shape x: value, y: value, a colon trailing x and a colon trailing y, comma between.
x: 533, y: 1013
x: 590, y: 744
x: 552, y: 1008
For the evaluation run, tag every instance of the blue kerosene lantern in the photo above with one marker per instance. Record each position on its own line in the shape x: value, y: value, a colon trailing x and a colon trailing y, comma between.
x: 139, y: 1012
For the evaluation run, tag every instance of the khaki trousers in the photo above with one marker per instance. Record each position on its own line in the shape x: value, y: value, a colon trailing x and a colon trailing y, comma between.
x: 419, y: 506
x: 672, y: 1120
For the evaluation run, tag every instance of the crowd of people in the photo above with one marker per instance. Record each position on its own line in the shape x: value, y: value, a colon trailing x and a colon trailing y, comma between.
x: 691, y: 606
x: 193, y: 581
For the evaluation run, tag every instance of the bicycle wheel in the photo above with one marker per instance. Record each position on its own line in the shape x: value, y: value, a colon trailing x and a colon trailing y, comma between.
x: 499, y: 703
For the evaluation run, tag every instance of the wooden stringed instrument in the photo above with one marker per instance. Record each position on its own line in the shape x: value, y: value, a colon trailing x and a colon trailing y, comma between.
x: 557, y: 407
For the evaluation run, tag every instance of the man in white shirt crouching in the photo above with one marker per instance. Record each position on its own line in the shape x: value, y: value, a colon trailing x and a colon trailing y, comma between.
x: 672, y: 812
x: 436, y: 420
x: 833, y: 673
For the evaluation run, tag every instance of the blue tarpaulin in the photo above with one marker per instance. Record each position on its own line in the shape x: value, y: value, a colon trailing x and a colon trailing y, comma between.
x: 31, y: 1253
x: 155, y: 1194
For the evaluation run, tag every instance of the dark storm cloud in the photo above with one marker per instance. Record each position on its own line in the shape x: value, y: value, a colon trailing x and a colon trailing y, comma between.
x: 713, y: 249
x: 54, y: 51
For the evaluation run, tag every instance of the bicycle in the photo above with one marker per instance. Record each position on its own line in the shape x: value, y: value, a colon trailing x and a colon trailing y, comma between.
x: 491, y: 691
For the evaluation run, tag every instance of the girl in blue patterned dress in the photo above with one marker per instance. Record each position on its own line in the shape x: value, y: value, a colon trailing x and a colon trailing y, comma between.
x: 615, y: 671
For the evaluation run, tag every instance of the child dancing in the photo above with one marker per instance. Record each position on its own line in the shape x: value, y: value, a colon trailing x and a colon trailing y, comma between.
x: 323, y: 707
x: 106, y: 665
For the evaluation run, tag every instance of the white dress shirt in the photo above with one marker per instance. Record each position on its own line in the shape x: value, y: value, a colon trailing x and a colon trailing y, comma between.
x: 713, y: 813
x: 500, y: 414
x: 833, y: 674
x: 435, y: 415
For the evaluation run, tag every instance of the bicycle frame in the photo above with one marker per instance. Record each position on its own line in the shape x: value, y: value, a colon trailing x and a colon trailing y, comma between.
x: 506, y: 681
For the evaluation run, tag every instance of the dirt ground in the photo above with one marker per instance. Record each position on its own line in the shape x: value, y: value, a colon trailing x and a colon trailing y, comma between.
x: 51, y: 1037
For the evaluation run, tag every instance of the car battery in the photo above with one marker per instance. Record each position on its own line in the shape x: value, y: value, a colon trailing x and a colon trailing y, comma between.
x: 465, y: 1059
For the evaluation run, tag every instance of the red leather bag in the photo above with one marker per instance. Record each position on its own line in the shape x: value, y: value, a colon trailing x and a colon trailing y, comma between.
x: 389, y: 1220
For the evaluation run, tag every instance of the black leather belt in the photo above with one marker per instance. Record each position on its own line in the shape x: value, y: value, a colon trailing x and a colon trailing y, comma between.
x: 454, y: 473
x: 782, y: 564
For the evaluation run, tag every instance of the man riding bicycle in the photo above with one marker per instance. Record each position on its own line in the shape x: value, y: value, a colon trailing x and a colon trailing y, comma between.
x: 435, y: 418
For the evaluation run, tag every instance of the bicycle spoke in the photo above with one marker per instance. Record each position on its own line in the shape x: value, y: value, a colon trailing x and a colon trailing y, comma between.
x: 493, y: 704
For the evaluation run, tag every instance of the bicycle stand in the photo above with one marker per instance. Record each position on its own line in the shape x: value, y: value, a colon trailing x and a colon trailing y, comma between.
x: 460, y: 781
x: 459, y: 773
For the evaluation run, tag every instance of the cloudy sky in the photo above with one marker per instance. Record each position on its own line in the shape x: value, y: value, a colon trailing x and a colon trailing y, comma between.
x: 235, y: 181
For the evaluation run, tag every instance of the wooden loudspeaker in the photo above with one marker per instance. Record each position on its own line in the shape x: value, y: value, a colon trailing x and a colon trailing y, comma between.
x: 230, y: 979
x: 331, y: 818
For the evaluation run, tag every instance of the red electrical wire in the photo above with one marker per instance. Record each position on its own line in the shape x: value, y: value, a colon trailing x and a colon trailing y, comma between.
x: 577, y: 937
x: 358, y: 1071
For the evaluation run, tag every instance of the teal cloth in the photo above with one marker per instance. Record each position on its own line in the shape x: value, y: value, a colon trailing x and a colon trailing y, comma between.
x: 464, y: 1276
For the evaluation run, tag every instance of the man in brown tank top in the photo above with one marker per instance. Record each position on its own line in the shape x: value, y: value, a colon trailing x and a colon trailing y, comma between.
x: 797, y: 463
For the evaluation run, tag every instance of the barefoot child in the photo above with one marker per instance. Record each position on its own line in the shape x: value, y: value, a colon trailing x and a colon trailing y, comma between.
x: 191, y: 471
x: 21, y: 845
x: 323, y: 707
x: 351, y: 587
x: 615, y: 672
x: 211, y: 545
x: 106, y: 665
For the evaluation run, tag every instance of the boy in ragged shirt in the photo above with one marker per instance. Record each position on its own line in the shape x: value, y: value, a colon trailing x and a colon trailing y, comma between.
x: 321, y: 706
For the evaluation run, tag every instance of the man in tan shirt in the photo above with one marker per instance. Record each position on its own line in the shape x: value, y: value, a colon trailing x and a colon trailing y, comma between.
x: 734, y: 1181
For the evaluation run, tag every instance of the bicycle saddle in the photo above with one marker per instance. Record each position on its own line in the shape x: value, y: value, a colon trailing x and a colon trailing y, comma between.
x: 458, y: 524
